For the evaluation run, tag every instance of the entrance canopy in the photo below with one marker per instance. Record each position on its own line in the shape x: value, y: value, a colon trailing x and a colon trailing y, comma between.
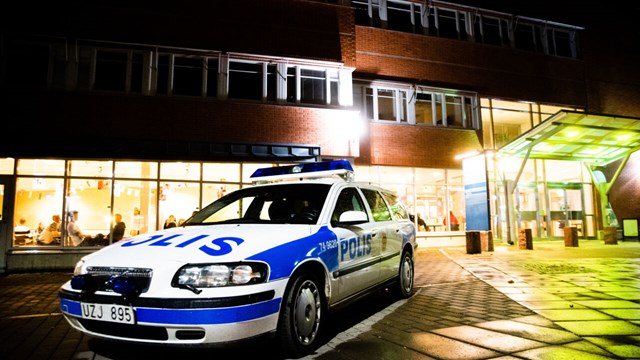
x: 593, y: 139
x: 578, y: 136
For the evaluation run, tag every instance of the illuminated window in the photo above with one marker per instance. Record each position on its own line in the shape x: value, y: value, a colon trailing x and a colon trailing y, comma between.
x: 40, y: 167
x: 6, y: 166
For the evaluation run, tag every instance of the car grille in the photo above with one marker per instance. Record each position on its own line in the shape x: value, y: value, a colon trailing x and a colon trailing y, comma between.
x: 126, y: 330
x: 102, y: 274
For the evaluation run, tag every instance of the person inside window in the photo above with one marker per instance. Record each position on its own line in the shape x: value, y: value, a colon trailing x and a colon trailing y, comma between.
x: 118, y: 228
x: 422, y: 225
x: 21, y: 232
x: 170, y: 222
x: 73, y: 230
x: 455, y: 226
x: 51, y: 233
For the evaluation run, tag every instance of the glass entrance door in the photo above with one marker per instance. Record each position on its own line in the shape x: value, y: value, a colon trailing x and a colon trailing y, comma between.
x: 566, y: 205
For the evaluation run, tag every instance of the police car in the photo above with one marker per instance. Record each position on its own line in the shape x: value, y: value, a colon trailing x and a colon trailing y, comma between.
x: 274, y: 258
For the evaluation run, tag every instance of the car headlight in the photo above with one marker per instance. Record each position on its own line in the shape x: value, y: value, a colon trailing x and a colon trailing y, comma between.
x: 79, y: 269
x: 215, y: 275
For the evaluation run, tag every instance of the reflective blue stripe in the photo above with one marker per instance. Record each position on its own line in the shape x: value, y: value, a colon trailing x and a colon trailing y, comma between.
x: 70, y: 307
x: 192, y: 316
x: 284, y: 258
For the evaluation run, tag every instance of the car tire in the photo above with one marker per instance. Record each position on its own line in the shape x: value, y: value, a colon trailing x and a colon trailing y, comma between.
x: 302, y: 316
x: 404, y: 286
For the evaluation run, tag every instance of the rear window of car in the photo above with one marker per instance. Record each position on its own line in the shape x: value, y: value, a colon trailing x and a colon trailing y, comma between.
x: 398, y: 210
x: 379, y: 209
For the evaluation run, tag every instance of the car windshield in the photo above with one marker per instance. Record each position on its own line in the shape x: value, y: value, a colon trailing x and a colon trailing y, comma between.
x: 297, y: 203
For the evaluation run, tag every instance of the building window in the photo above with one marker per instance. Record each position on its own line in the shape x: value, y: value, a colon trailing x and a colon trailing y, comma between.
x: 111, y: 70
x: 419, y: 106
x: 45, y: 64
x: 188, y: 74
x: 491, y: 30
x: 119, y: 70
x: 426, y: 108
x: 245, y: 80
x: 400, y: 16
x: 313, y: 86
x: 429, y: 194
x: 316, y: 86
x: 450, y: 23
x: 163, y: 74
x: 385, y: 104
x: 561, y: 43
x: 527, y: 37
x: 143, y: 193
x: 212, y: 77
x: 468, y: 24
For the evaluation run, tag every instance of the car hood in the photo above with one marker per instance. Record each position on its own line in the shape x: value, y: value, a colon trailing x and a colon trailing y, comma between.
x: 198, y: 244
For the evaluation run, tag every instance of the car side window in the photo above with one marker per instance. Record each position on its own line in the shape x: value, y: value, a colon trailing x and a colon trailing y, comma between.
x: 398, y: 211
x: 348, y: 200
x: 379, y: 209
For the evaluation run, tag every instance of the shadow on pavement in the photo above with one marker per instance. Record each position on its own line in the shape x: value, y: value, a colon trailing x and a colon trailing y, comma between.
x: 263, y: 348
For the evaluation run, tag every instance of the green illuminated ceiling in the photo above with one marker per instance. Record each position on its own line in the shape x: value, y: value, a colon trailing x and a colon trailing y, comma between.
x: 578, y: 136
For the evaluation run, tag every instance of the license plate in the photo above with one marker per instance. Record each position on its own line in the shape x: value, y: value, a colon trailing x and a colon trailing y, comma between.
x: 109, y: 312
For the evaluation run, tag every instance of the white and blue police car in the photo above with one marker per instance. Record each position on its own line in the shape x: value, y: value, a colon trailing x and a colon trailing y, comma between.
x: 274, y: 258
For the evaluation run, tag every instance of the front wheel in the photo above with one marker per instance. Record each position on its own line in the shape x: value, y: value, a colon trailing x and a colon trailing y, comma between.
x: 405, y: 275
x: 301, y: 316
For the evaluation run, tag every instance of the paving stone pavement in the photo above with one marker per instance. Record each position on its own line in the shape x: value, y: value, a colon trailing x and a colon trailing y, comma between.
x: 548, y: 303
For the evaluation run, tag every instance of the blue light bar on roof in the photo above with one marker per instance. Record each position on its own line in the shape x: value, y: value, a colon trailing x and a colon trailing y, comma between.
x: 306, y: 170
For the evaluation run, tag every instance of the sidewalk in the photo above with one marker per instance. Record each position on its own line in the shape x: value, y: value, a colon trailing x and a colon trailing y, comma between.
x: 551, y: 302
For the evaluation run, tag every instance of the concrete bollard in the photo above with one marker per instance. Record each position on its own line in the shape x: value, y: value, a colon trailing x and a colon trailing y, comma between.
x: 570, y: 236
x: 610, y: 235
x: 486, y: 241
x: 473, y: 242
x: 525, y: 239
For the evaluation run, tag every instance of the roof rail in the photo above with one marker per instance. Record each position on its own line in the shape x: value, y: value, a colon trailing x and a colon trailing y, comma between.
x: 314, y: 170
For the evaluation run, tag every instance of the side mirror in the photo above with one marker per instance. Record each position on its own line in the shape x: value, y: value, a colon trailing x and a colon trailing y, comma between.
x: 353, y: 217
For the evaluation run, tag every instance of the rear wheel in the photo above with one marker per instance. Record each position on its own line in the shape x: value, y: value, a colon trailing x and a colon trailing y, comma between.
x: 405, y: 275
x: 302, y: 316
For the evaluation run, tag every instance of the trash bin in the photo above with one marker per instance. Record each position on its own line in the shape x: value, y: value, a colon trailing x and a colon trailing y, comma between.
x: 525, y: 239
x: 570, y: 236
x: 610, y: 235
x: 486, y: 241
x: 473, y: 242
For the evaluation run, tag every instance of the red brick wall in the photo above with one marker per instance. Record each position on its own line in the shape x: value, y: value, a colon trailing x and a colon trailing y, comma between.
x: 99, y: 117
x: 490, y: 70
x: 420, y: 146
